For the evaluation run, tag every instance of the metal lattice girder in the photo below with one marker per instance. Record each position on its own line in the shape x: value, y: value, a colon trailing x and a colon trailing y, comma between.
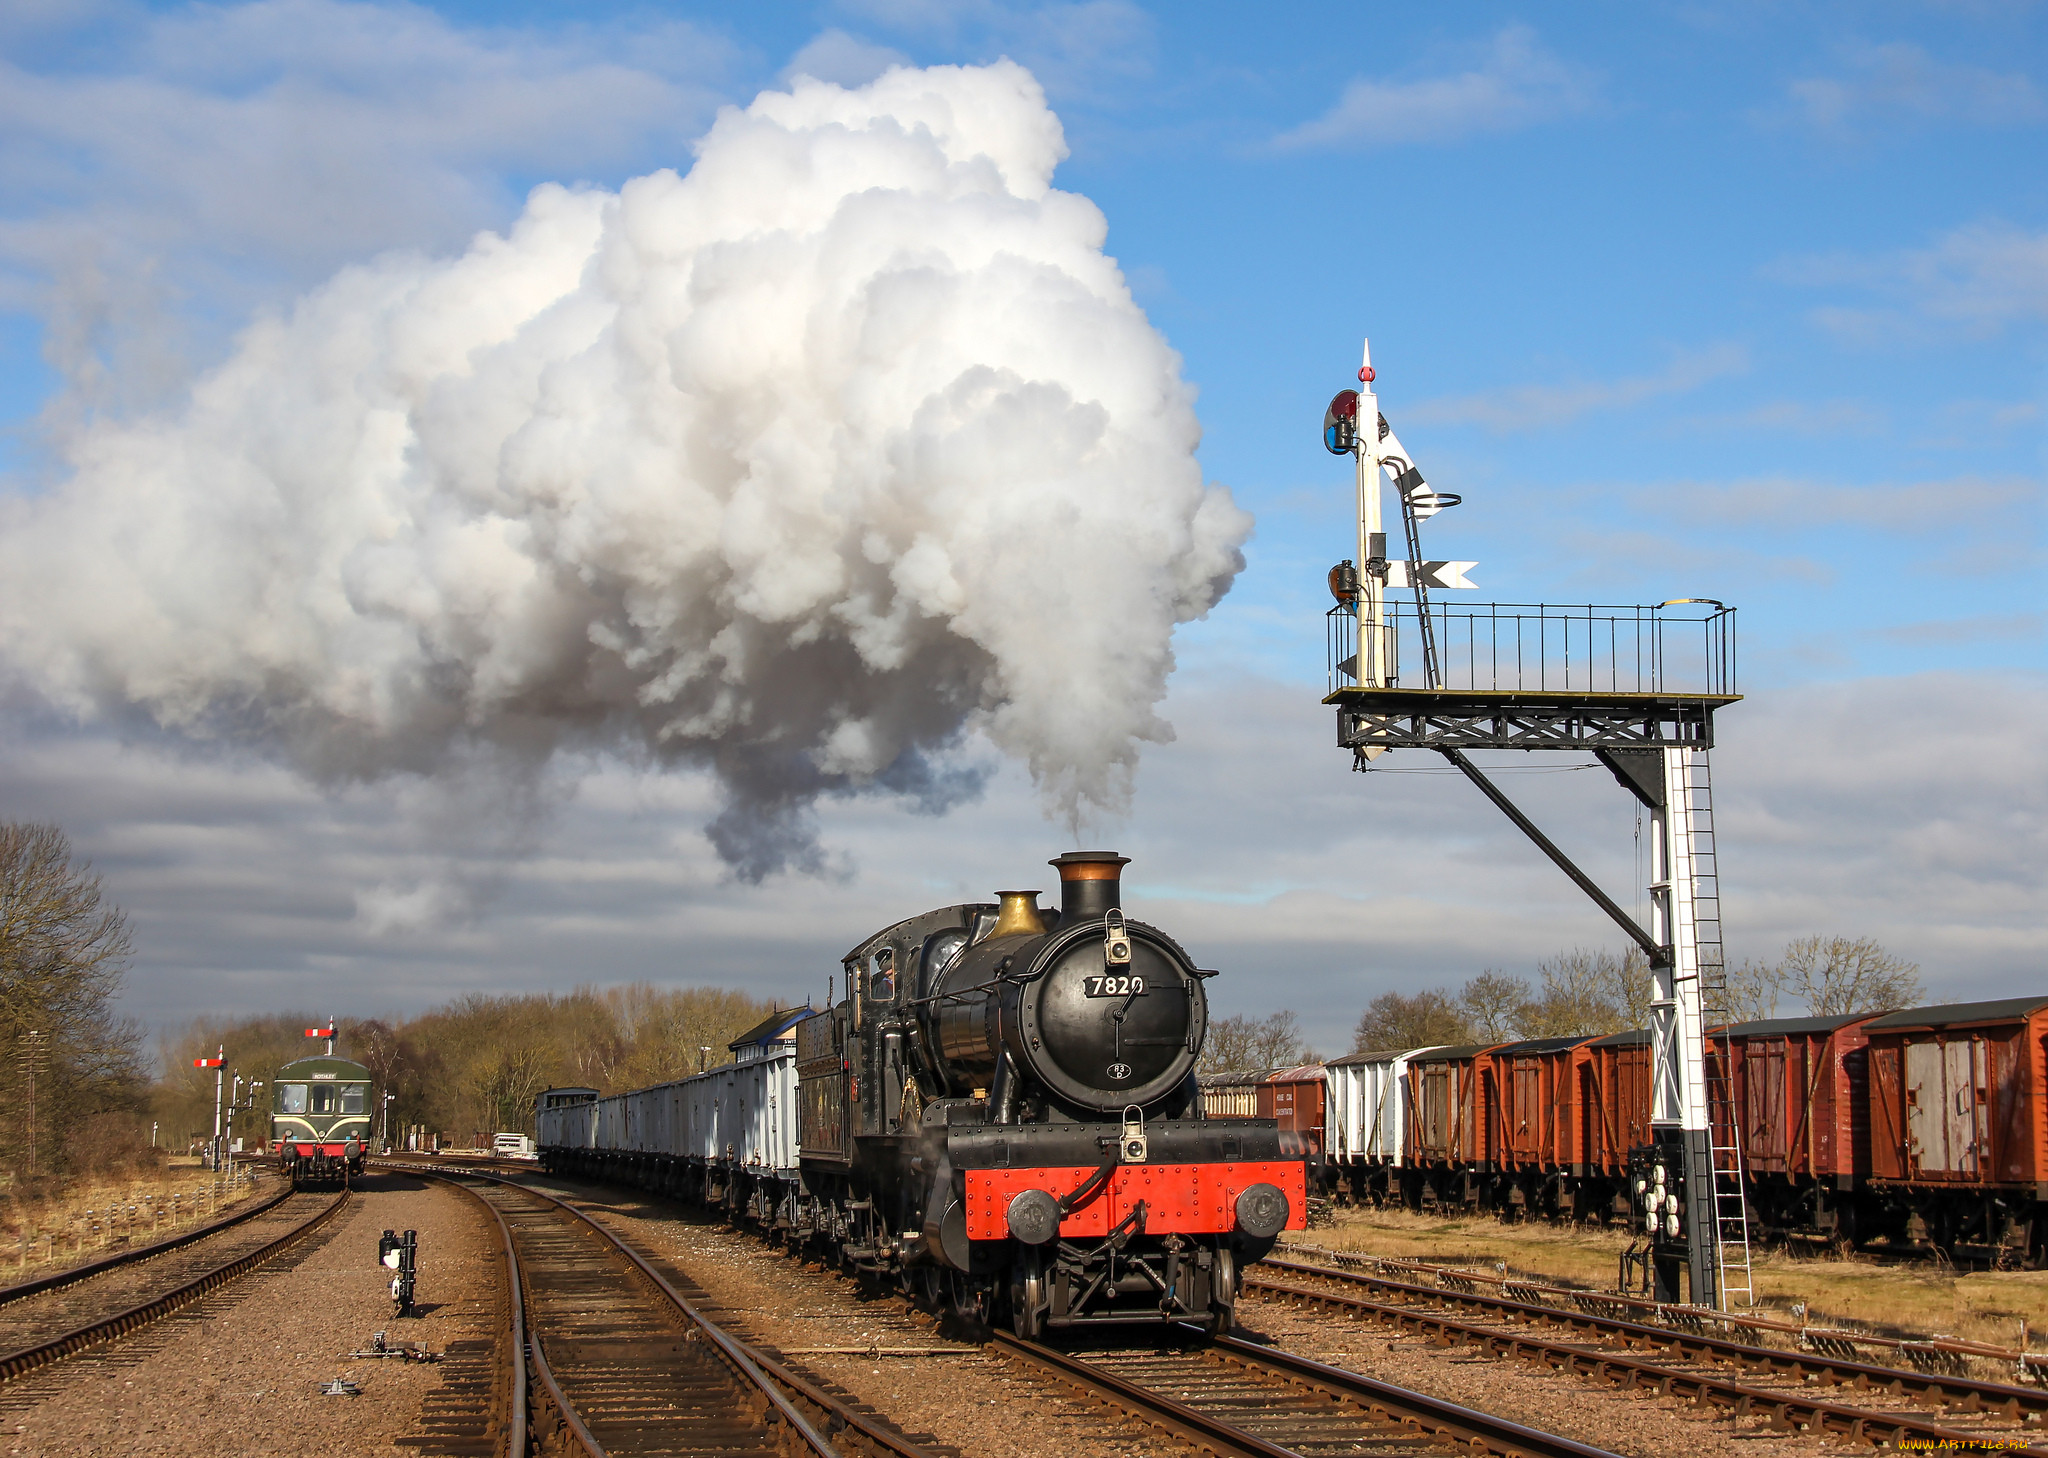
x: 1450, y: 720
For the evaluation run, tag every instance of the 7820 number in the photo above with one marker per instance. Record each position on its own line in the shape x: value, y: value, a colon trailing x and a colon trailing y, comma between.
x: 1113, y: 986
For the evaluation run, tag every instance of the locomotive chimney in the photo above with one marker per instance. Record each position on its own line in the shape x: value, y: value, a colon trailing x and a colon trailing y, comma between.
x: 1091, y: 883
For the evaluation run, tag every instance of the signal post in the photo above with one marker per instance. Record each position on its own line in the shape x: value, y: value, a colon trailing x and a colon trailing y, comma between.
x: 1635, y: 686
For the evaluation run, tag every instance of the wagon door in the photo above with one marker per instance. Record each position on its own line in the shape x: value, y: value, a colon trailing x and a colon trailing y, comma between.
x: 1885, y: 1098
x: 1927, y: 1122
x: 1766, y: 1105
x: 1434, y: 1116
x: 1525, y: 1116
x: 1964, y: 1085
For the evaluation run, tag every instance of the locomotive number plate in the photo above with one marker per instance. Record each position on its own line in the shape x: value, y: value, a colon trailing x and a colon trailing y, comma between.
x: 1111, y: 985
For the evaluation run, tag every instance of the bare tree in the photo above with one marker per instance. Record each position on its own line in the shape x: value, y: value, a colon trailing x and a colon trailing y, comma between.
x: 1492, y: 1003
x: 1835, y: 976
x: 1583, y: 994
x: 1402, y: 1020
x: 1752, y: 992
x: 63, y: 953
x: 1243, y: 1044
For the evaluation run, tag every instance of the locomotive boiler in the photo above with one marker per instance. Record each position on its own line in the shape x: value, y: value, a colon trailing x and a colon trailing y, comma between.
x: 1002, y: 1113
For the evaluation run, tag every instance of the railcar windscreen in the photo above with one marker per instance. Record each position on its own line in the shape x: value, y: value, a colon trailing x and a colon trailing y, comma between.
x: 291, y: 1098
x: 353, y: 1096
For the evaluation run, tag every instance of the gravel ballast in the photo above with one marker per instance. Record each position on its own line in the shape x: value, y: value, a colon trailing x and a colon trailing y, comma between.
x: 240, y: 1371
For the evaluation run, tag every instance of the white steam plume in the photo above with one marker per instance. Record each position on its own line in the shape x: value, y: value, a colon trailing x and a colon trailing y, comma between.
x: 795, y: 466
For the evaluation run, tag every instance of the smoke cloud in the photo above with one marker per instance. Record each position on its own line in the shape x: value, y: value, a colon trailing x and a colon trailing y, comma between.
x: 797, y: 466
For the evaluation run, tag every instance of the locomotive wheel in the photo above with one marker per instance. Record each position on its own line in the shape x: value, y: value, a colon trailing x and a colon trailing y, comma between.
x: 969, y: 1303
x: 927, y: 1286
x: 1027, y: 1299
x: 1223, y: 1293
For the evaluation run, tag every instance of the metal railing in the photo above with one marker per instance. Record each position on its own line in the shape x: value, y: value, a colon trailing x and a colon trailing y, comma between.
x: 1676, y: 648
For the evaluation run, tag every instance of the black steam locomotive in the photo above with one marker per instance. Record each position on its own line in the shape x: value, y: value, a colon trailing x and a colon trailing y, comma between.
x: 1001, y: 1115
x: 1004, y: 1110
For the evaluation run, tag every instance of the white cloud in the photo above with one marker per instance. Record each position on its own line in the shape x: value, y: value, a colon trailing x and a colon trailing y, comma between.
x: 1516, y: 83
x: 1803, y: 417
x: 1536, y: 407
x: 1798, y: 502
x: 795, y: 465
x: 1309, y: 886
x: 1980, y: 279
x: 1077, y: 48
x: 1882, y: 84
x: 1961, y: 632
x: 208, y: 157
x: 833, y: 55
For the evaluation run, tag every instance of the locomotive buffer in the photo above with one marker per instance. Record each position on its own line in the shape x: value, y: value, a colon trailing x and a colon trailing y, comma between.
x: 1636, y: 686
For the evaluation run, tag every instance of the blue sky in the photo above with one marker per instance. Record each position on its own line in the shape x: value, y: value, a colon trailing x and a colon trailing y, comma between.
x: 1743, y: 301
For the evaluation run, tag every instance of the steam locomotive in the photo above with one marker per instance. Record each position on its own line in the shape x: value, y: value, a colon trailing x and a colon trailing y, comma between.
x: 1001, y: 1115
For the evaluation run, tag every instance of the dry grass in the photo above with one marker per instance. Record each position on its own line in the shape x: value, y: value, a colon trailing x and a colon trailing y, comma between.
x: 60, y: 1225
x: 1912, y: 1300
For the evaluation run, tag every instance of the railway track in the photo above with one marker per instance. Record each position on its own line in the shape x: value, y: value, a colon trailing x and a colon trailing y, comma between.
x: 608, y: 1357
x: 81, y: 1313
x: 1240, y: 1400
x: 72, y: 1275
x: 1766, y: 1382
x: 1230, y: 1398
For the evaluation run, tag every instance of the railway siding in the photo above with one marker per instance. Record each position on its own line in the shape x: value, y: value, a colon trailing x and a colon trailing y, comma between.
x: 1777, y: 1385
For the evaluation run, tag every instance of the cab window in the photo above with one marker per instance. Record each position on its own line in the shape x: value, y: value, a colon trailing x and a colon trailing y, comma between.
x: 352, y: 1097
x: 291, y: 1098
x: 324, y: 1098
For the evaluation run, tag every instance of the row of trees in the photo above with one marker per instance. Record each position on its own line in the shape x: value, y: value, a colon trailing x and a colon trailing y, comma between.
x: 1580, y: 993
x: 1584, y: 993
x: 473, y: 1065
x: 76, y: 1088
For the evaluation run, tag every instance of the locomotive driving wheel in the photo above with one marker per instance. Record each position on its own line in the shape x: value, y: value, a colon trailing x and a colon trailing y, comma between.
x: 927, y: 1285
x: 969, y: 1303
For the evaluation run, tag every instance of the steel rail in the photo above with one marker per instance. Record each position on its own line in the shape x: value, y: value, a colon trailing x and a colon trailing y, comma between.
x: 71, y: 1275
x: 1910, y: 1347
x: 1477, y: 1429
x: 1460, y: 1424
x: 2018, y: 1404
x: 571, y: 1418
x: 1175, y: 1418
x: 1191, y: 1425
x: 515, y: 1291
x: 28, y: 1359
x: 1785, y: 1410
x: 755, y: 1368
